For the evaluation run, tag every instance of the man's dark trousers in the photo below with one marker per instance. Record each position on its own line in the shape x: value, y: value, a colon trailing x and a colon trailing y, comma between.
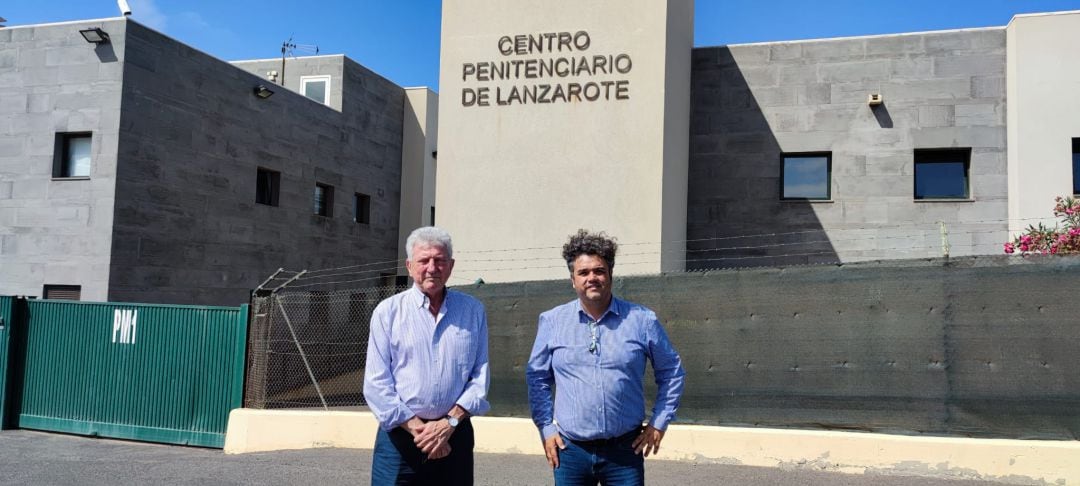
x: 396, y: 459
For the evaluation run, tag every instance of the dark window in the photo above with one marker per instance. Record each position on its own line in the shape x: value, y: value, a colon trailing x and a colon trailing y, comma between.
x: 1076, y: 166
x: 267, y: 187
x: 62, y: 292
x: 324, y: 199
x: 806, y: 176
x: 942, y: 173
x: 433, y: 216
x: 71, y: 155
x: 362, y: 208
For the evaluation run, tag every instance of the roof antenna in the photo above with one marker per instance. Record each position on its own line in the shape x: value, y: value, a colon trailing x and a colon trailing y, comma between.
x: 290, y: 49
x: 124, y: 7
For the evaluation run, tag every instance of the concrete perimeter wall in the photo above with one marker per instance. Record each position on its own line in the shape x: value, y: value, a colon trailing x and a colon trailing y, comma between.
x: 975, y: 346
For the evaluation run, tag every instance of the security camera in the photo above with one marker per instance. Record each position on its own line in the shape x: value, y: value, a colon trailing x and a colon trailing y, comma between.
x: 124, y: 7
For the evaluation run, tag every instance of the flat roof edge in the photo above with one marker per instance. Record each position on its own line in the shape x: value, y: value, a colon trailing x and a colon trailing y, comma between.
x: 291, y: 57
x: 1043, y: 14
x: 854, y: 37
x: 66, y: 22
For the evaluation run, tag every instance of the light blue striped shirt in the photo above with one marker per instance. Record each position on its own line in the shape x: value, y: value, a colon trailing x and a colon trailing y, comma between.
x: 419, y: 364
x: 600, y: 394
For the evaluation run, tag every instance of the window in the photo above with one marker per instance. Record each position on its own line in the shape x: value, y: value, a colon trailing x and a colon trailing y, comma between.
x: 1076, y: 166
x: 316, y: 88
x: 72, y: 155
x: 433, y: 216
x: 362, y: 208
x: 806, y: 176
x: 62, y: 292
x: 942, y: 173
x: 267, y: 187
x: 324, y: 200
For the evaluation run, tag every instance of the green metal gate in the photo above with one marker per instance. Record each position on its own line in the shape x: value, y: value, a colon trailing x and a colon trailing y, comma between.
x: 159, y: 373
x: 6, y: 318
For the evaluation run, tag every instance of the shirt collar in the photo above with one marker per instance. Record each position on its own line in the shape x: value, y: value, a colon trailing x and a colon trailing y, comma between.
x: 615, y: 307
x: 420, y: 300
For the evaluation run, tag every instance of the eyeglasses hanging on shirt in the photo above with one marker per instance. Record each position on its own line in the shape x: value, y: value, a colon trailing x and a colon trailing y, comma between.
x: 594, y: 345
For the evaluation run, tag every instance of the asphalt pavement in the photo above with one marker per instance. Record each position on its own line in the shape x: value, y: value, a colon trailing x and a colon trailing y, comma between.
x: 38, y: 458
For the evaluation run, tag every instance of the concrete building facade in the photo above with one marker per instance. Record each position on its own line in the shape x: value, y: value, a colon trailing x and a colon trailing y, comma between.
x: 913, y: 145
x: 561, y: 115
x: 142, y: 169
x: 755, y: 104
x: 1044, y: 114
x: 198, y: 189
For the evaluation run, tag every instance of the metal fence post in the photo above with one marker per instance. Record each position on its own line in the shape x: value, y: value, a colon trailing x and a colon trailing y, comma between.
x: 303, y: 356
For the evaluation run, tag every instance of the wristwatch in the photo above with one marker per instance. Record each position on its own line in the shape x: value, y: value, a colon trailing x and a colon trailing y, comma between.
x: 453, y: 421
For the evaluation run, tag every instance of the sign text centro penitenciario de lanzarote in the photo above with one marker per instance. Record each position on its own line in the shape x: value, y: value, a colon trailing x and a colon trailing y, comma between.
x: 543, y: 68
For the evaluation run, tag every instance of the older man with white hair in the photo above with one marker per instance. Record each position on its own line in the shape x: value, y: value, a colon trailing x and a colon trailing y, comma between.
x: 427, y: 371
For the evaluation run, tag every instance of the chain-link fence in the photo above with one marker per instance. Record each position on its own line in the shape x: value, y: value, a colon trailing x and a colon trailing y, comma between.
x: 308, y: 348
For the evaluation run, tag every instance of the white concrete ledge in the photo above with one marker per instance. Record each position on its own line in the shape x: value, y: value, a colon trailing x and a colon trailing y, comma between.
x: 1008, y: 461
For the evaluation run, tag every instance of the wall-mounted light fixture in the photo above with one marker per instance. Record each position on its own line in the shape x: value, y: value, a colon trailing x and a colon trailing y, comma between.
x: 875, y: 99
x: 95, y: 35
x: 262, y: 92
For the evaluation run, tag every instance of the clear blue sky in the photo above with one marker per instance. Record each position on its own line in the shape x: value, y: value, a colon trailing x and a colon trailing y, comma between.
x: 400, y: 38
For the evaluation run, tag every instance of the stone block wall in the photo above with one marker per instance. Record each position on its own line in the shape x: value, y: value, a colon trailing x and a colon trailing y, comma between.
x: 193, y: 135
x: 752, y: 103
x: 57, y: 231
x: 297, y: 68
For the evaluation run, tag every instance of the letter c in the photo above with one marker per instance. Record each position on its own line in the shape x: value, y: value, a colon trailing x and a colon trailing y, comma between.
x: 506, y: 45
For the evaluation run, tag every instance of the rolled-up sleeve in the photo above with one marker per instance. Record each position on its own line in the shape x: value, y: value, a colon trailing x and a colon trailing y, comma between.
x: 380, y: 390
x: 669, y: 373
x: 540, y: 379
x: 474, y: 397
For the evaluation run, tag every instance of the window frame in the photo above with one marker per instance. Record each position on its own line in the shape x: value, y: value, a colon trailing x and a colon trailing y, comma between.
x: 50, y: 288
x: 361, y: 212
x: 321, y: 77
x: 828, y: 175
x: 941, y: 153
x: 328, y: 200
x: 275, y: 186
x: 62, y: 165
x: 1076, y: 166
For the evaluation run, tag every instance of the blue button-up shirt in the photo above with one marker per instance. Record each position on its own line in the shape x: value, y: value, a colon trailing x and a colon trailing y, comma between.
x: 420, y: 364
x: 599, y: 393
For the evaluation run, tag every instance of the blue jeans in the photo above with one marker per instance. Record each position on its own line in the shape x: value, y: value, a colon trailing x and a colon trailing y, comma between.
x: 612, y: 462
x: 397, y: 461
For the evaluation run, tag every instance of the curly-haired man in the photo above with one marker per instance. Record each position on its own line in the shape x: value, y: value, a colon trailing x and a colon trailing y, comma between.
x: 593, y: 350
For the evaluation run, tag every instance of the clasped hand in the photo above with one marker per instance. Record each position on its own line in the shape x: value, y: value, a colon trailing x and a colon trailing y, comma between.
x: 432, y: 438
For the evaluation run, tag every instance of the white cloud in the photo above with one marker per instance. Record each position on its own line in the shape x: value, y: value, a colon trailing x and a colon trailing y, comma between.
x: 147, y: 13
x: 193, y: 20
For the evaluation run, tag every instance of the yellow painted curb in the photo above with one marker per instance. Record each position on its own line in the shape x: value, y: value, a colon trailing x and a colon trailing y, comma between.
x: 1009, y: 461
